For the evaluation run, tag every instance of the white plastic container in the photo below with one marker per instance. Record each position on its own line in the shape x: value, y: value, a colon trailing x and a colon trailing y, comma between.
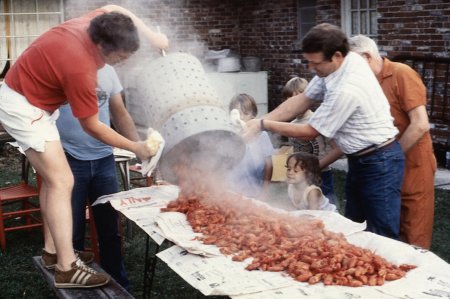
x: 228, y: 64
x: 251, y: 64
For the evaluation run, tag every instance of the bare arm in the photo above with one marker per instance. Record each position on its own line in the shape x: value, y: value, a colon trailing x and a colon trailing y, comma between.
x: 331, y: 156
x: 121, y: 118
x: 105, y: 134
x: 158, y: 40
x: 290, y: 108
x: 313, y: 198
x: 303, y: 131
x: 286, y: 111
x: 418, y: 126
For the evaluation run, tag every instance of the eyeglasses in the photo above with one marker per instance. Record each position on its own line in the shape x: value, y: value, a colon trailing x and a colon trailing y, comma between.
x: 312, y: 63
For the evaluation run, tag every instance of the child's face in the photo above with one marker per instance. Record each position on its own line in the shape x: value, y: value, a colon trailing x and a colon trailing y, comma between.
x: 244, y: 116
x: 294, y: 174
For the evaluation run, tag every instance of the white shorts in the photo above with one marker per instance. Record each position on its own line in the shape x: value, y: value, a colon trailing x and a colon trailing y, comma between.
x: 30, y: 126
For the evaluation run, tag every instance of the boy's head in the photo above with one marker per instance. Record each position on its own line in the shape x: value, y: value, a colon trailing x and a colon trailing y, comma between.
x: 293, y: 87
x: 246, y: 105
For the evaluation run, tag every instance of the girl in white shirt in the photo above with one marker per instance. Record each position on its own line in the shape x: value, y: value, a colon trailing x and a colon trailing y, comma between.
x: 303, y: 177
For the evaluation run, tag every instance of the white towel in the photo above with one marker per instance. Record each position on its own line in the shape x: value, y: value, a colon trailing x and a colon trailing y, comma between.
x: 236, y: 119
x: 154, y: 138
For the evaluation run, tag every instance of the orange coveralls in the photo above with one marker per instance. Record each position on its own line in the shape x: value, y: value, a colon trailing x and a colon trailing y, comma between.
x: 405, y: 91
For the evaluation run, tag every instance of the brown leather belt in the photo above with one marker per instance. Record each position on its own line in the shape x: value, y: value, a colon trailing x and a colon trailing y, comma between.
x: 372, y: 148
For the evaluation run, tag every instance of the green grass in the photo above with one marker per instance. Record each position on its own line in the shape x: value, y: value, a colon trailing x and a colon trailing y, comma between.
x: 19, y: 278
x: 440, y: 244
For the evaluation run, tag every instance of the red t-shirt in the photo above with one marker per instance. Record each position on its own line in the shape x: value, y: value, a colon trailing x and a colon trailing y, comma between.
x: 61, y: 65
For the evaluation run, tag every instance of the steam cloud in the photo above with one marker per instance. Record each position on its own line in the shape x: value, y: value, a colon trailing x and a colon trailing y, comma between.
x: 210, y: 150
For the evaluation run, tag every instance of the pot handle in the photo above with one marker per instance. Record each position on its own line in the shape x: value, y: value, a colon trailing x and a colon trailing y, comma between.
x: 158, y: 29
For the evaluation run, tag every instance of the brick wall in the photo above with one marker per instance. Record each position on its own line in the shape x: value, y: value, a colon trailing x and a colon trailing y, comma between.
x: 192, y: 26
x: 414, y: 27
x: 268, y: 29
x: 420, y: 28
x: 328, y: 11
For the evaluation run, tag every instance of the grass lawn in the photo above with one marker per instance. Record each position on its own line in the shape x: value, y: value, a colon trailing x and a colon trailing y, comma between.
x: 19, y: 278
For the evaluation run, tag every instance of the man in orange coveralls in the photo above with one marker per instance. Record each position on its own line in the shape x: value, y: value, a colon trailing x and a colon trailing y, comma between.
x: 407, y: 96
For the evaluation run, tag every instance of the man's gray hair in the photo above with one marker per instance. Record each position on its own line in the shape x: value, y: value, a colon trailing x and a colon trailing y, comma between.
x: 363, y: 44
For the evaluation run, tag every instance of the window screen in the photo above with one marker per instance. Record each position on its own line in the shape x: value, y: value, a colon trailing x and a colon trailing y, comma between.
x: 21, y: 22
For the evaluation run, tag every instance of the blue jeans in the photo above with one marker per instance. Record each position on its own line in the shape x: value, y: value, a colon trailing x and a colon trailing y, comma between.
x: 94, y: 178
x: 373, y: 190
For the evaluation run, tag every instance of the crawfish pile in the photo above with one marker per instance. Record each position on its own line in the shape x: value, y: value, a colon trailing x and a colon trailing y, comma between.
x: 299, y: 246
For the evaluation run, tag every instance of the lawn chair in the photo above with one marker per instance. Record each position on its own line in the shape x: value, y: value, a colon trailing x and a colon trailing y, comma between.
x: 19, y: 205
x: 91, y: 234
x: 138, y: 180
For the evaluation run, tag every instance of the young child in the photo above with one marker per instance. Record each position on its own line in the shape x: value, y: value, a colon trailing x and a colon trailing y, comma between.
x: 319, y: 146
x: 303, y: 179
x: 293, y: 87
x: 251, y: 177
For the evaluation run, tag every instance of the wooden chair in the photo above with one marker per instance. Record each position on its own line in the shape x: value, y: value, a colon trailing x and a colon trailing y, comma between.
x: 138, y: 180
x: 19, y: 206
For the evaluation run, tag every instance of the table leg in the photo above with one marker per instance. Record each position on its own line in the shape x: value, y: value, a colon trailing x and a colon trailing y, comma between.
x: 124, y: 169
x: 149, y: 268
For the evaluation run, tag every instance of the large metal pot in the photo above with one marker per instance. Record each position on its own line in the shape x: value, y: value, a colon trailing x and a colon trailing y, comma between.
x: 187, y: 112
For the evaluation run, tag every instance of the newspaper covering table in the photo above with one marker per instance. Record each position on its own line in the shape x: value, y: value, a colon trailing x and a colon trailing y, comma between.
x: 212, y: 273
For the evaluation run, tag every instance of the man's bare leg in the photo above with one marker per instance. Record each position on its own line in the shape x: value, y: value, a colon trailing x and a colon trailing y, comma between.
x: 49, y: 246
x: 55, y: 200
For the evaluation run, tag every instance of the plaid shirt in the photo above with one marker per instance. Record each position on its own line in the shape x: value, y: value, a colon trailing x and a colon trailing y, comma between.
x: 354, y: 111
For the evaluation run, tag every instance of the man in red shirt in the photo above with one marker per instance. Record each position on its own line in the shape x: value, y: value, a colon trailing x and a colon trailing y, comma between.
x: 61, y: 65
x: 406, y: 94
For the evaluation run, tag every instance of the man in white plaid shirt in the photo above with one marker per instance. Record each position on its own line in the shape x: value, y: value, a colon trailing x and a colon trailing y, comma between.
x: 354, y: 112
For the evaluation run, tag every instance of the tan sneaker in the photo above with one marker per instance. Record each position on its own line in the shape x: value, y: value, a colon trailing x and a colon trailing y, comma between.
x: 49, y: 260
x: 80, y: 276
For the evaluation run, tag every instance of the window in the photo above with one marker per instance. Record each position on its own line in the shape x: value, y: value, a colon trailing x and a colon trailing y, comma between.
x: 21, y: 22
x: 306, y: 16
x: 359, y: 17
